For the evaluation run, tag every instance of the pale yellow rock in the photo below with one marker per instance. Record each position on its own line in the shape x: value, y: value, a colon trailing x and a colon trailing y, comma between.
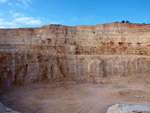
x: 81, y: 53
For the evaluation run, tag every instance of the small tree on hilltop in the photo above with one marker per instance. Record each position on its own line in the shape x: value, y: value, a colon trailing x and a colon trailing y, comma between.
x: 123, y: 21
x: 127, y: 21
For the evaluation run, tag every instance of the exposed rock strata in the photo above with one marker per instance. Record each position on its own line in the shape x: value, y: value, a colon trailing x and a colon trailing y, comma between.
x: 85, y: 53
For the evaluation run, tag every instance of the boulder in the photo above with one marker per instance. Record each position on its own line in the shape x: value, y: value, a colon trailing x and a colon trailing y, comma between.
x: 4, y: 109
x: 122, y: 108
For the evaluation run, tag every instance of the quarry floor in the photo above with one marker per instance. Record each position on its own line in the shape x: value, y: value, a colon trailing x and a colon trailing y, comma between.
x: 72, y: 97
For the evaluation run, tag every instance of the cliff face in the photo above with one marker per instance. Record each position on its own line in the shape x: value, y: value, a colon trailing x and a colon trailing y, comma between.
x: 87, y: 53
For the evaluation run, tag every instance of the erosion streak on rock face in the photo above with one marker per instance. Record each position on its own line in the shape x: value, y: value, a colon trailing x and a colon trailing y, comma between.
x: 88, y: 53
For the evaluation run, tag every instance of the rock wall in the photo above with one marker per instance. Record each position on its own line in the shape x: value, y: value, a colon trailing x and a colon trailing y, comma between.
x: 85, y: 53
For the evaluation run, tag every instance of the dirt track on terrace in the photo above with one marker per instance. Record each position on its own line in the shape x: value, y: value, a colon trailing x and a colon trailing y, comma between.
x: 71, y: 97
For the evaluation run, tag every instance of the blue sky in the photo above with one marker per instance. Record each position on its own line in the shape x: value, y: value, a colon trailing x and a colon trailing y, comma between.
x: 36, y: 13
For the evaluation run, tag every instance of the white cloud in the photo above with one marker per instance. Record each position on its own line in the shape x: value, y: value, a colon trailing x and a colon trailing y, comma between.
x: 10, y: 23
x: 34, y: 22
x: 19, y: 19
x: 28, y: 21
x: 21, y: 6
x: 10, y: 4
x: 16, y: 14
x: 20, y: 3
x: 23, y: 3
x: 2, y: 27
x: 3, y: 1
x: 5, y: 23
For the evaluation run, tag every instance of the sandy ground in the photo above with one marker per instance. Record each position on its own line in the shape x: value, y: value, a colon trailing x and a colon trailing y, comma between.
x: 71, y: 97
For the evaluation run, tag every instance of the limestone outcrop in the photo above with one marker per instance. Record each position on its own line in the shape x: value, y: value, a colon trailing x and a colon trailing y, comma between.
x: 122, y: 108
x: 84, y: 53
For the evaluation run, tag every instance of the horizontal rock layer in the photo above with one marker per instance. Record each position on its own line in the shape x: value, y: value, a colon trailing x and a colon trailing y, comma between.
x: 87, y: 53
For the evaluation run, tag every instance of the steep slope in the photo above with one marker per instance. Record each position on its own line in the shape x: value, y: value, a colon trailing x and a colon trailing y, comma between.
x: 82, y: 53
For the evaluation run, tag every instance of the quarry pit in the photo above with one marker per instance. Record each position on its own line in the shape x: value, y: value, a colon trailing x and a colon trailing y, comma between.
x: 74, y: 69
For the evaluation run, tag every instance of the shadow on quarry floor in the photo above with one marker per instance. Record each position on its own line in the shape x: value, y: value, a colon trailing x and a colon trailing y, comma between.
x: 72, y: 97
